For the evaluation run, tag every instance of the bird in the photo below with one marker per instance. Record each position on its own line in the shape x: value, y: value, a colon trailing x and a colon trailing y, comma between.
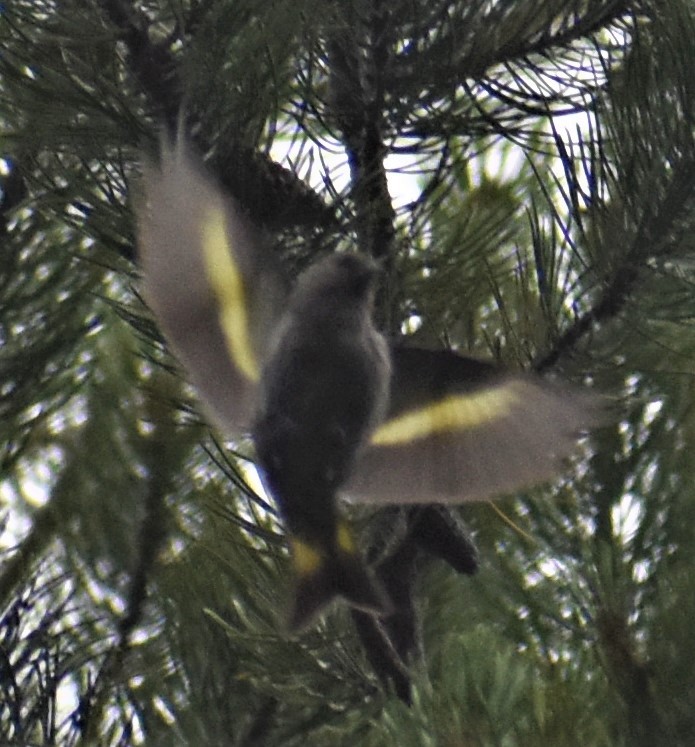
x: 323, y: 389
x: 335, y: 409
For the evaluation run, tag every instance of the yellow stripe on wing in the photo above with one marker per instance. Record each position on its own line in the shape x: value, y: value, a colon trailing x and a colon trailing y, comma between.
x: 453, y: 413
x: 228, y: 286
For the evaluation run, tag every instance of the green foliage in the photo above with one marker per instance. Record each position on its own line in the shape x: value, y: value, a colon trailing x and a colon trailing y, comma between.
x: 143, y: 581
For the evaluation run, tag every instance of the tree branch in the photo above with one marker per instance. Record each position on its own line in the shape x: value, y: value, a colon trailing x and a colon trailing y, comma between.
x: 273, y: 195
x: 652, y: 236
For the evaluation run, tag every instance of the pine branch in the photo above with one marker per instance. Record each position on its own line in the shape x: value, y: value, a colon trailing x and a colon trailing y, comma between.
x: 151, y: 64
x: 580, y: 27
x: 358, y: 59
x: 611, y: 303
x: 632, y: 679
x: 272, y: 194
x: 14, y: 190
x: 522, y: 41
x: 652, y: 238
x: 151, y: 536
x: 262, y: 725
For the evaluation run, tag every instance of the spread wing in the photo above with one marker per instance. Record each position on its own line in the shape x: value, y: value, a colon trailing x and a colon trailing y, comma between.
x: 213, y: 285
x: 458, y: 429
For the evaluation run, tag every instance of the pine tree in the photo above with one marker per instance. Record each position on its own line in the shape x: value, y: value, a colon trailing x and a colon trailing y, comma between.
x: 143, y: 580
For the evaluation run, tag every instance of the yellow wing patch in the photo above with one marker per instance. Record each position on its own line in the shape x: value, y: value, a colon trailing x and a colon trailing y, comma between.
x: 228, y: 286
x: 453, y: 413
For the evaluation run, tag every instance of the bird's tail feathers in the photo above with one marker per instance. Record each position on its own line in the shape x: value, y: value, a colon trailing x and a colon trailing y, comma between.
x: 325, y: 573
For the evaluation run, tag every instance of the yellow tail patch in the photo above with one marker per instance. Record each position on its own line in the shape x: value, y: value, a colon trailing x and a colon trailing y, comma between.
x: 345, y: 539
x: 305, y: 558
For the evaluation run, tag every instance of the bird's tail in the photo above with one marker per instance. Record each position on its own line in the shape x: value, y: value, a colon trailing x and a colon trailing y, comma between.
x: 325, y: 572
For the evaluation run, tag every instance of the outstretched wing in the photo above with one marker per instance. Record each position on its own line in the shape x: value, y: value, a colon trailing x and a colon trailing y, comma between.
x: 458, y: 429
x: 214, y: 287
